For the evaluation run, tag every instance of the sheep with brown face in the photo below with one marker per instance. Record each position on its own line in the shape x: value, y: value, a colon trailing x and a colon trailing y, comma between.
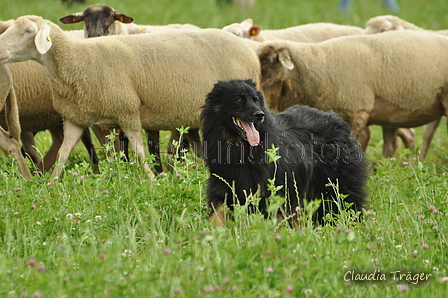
x: 377, y: 79
x: 103, y: 20
x: 130, y: 71
x: 100, y: 20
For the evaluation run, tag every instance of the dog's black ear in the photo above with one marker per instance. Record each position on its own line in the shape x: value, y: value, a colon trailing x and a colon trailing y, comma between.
x: 250, y: 82
x: 214, y: 91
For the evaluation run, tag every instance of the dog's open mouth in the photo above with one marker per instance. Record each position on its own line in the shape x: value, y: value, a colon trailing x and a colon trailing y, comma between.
x: 248, y: 131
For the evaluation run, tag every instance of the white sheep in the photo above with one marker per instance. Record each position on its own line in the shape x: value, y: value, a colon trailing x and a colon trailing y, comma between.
x: 130, y: 71
x: 9, y: 142
x: 103, y: 20
x: 313, y: 32
x: 396, y: 79
x: 35, y: 104
x: 386, y: 23
x: 310, y: 33
x: 284, y: 94
x: 36, y: 111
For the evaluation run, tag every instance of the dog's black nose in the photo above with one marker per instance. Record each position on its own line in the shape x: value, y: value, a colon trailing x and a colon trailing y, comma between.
x: 259, y: 115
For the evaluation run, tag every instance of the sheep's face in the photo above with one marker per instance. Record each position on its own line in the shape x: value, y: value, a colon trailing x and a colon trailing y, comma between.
x: 26, y: 39
x: 272, y: 69
x: 377, y: 26
x: 98, y: 20
x: 237, y: 29
x: 383, y: 24
x: 245, y: 29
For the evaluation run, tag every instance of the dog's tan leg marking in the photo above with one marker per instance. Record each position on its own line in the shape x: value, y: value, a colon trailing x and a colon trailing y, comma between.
x: 293, y: 221
x: 218, y: 218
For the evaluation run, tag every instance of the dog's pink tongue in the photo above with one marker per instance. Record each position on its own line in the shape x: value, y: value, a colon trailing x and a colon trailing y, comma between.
x: 252, y: 135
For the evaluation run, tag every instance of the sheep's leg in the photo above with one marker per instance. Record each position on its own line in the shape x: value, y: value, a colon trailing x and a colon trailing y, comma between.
x: 175, y: 136
x: 72, y: 134
x: 428, y: 134
x: 189, y: 139
x: 86, y: 139
x: 358, y: 121
x: 29, y: 146
x: 152, y: 138
x: 136, y: 142
x: 364, y: 138
x: 11, y: 147
x: 407, y: 135
x: 101, y: 133
x: 195, y: 141
x: 124, y: 145
x: 57, y: 136
x: 390, y: 141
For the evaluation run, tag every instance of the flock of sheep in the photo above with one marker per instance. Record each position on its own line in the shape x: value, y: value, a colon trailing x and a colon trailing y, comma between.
x: 157, y: 77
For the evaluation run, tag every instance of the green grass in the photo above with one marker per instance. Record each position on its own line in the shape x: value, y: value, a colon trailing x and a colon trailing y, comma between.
x: 113, y: 233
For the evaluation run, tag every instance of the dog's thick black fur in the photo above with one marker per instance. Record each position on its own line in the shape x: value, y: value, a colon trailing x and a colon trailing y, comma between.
x: 315, y: 148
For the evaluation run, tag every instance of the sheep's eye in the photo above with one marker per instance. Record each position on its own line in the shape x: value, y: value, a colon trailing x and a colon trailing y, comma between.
x: 29, y: 30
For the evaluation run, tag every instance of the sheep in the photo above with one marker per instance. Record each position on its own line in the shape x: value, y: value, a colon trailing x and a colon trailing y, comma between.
x: 393, y: 80
x: 314, y: 32
x: 284, y: 94
x: 9, y: 142
x: 36, y: 114
x: 136, y: 29
x: 103, y: 20
x: 130, y: 71
x: 386, y: 23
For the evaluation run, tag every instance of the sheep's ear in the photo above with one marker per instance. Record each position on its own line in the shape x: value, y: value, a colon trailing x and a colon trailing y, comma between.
x: 247, y: 23
x: 42, y: 39
x: 121, y: 17
x: 254, y: 30
x: 285, y: 59
x: 72, y: 18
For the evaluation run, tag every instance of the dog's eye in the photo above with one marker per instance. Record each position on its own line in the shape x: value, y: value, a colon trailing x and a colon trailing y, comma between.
x: 239, y: 99
x: 255, y: 99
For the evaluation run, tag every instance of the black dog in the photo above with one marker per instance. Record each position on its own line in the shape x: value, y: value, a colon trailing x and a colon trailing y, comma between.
x: 315, y: 149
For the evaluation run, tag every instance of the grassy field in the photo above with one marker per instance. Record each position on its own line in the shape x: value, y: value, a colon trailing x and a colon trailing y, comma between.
x: 113, y: 233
